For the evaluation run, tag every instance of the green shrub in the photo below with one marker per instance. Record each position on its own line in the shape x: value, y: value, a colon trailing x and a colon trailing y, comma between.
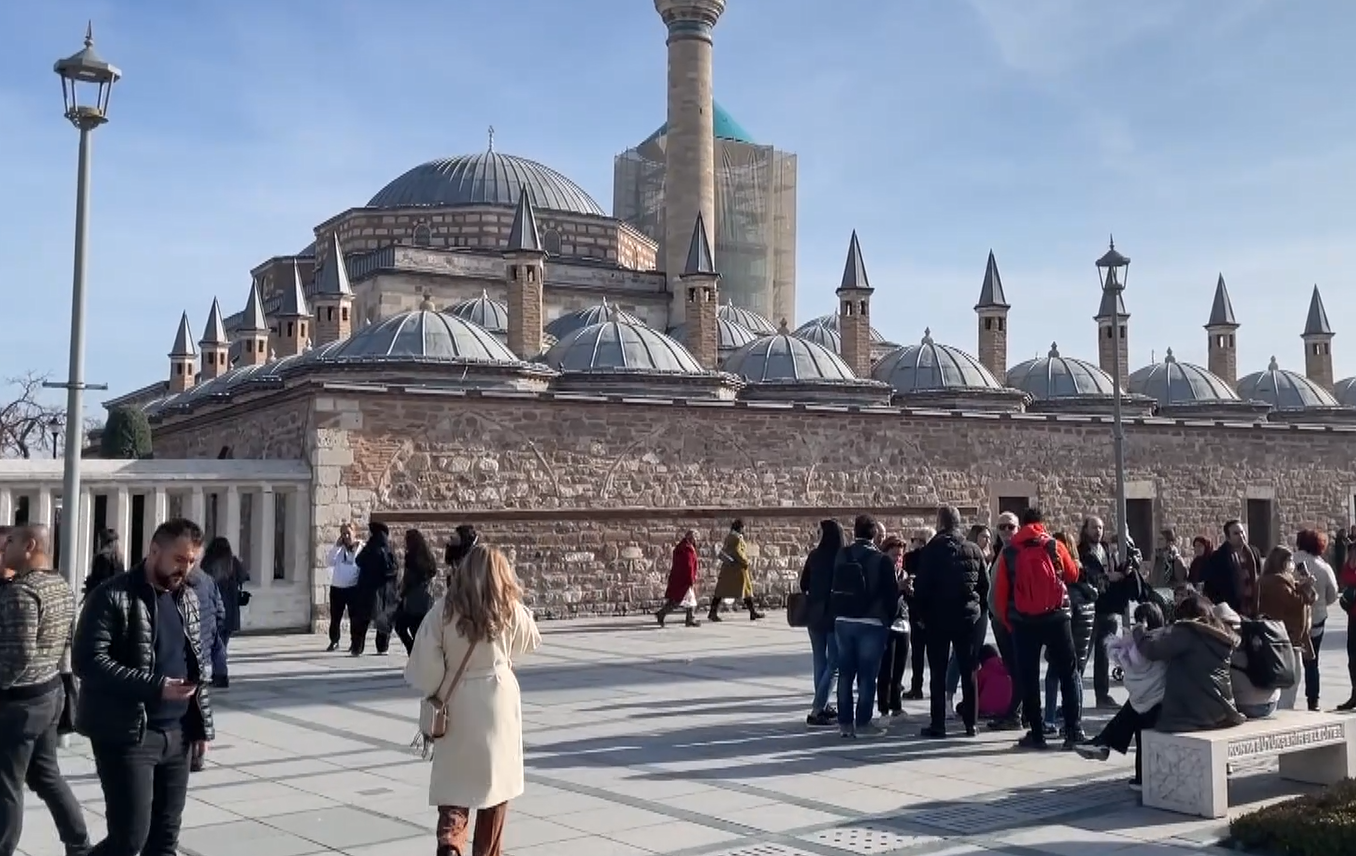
x: 1321, y: 824
x: 126, y: 435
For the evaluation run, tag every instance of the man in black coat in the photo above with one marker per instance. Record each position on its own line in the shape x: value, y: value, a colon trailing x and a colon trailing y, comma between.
x: 951, y: 585
x: 143, y: 703
x: 1231, y: 574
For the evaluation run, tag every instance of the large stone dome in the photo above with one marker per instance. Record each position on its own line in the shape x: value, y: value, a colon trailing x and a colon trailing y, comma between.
x: 1284, y: 390
x: 822, y: 335
x: 1345, y: 392
x: 423, y: 335
x: 1176, y: 383
x: 730, y: 335
x: 489, y: 315
x: 787, y: 358
x: 488, y: 178
x: 1056, y: 376
x: 930, y: 366
x: 746, y: 318
x: 620, y: 346
x: 562, y: 327
x: 831, y: 321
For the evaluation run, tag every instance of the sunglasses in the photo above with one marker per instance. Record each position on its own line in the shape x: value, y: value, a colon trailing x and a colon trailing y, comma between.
x: 1007, y: 527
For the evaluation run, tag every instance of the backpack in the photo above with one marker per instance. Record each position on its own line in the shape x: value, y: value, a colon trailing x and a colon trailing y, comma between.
x: 1271, y: 657
x: 1036, y: 581
x: 850, y: 595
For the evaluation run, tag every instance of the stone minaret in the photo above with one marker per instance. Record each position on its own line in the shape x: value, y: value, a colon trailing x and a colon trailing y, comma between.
x: 294, y: 318
x: 854, y: 312
x: 689, y: 143
x: 992, y: 309
x: 216, y: 347
x: 1222, y: 328
x: 333, y: 298
x: 525, y: 272
x: 1113, y: 307
x: 253, y: 330
x: 183, y: 358
x: 1318, y: 344
x: 702, y: 284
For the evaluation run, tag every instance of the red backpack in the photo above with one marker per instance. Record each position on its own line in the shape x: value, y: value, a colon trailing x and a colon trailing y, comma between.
x: 1035, y: 577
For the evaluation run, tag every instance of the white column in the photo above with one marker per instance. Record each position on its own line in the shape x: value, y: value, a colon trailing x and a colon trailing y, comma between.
x: 6, y: 507
x: 120, y: 520
x: 84, y: 553
x: 264, y: 511
x: 298, y: 537
x: 153, y: 513
x: 197, y: 507
x: 43, y: 513
x: 230, y: 527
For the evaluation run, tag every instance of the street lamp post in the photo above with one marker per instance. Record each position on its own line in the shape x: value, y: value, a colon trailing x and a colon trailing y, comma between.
x: 54, y: 428
x: 1113, y: 272
x: 86, y: 82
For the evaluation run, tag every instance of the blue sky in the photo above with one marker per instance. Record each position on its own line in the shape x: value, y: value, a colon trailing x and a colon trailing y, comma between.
x: 1208, y: 135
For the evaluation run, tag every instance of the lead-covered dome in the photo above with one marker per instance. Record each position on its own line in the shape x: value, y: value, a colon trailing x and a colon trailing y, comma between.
x: 620, y: 346
x: 489, y: 315
x: 1172, y: 383
x: 1056, y: 376
x: 1345, y: 392
x: 421, y: 335
x: 488, y: 178
x: 1284, y: 390
x: 746, y: 318
x: 831, y: 322
x: 568, y: 323
x: 822, y: 335
x: 730, y: 335
x: 930, y: 366
x: 787, y: 358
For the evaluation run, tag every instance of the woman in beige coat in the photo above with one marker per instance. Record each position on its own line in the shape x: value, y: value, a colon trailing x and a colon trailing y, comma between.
x: 478, y: 764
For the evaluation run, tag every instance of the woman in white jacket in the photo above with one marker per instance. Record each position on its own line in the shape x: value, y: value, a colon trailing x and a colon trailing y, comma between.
x: 1312, y: 545
x: 478, y: 763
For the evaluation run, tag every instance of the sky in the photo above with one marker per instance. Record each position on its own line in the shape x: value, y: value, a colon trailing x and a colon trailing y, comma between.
x: 1210, y: 136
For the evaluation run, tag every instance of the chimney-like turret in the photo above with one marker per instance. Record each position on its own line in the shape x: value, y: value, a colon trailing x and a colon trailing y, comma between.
x: 183, y: 358
x: 854, y: 311
x: 992, y: 310
x: 702, y: 285
x: 216, y: 347
x: 525, y: 273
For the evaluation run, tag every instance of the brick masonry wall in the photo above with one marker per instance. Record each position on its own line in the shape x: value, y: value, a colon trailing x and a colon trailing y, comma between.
x: 591, y: 480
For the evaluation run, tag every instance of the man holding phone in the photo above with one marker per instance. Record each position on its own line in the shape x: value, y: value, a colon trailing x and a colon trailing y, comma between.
x: 143, y: 704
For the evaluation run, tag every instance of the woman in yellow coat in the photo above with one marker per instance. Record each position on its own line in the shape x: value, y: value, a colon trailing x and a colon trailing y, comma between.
x: 734, y: 581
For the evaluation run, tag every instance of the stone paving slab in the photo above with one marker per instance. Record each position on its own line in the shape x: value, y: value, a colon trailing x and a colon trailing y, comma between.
x: 688, y: 742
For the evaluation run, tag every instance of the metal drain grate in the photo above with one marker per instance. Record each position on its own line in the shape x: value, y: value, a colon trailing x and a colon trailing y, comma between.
x: 960, y: 818
x: 1006, y: 809
x: 764, y: 850
x: 867, y: 839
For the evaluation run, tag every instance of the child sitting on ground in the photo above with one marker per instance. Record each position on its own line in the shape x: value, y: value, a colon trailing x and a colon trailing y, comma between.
x: 994, y: 684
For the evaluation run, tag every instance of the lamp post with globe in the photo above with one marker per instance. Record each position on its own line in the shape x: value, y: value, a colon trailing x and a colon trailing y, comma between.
x: 1113, y: 272
x: 86, y: 82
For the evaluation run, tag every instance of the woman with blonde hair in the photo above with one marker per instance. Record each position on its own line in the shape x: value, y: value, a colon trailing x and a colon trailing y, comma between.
x: 463, y: 658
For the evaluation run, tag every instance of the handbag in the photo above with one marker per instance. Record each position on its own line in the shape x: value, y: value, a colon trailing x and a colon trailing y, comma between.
x: 797, y: 609
x: 70, y: 691
x: 433, y: 717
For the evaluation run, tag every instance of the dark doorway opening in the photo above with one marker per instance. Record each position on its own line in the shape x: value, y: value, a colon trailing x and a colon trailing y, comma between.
x: 1014, y: 504
x: 1261, y: 529
x: 1140, y: 514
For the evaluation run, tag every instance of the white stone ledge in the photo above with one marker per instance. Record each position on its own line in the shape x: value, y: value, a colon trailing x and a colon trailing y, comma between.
x: 95, y: 471
x: 1189, y: 773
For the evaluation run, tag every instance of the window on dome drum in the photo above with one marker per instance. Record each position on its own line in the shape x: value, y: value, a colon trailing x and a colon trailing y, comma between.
x: 551, y: 240
x: 423, y: 235
x: 1140, y: 513
x: 1015, y: 504
x: 1261, y: 515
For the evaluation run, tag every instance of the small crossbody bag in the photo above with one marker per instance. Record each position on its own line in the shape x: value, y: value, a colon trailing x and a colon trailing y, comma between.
x: 433, y: 711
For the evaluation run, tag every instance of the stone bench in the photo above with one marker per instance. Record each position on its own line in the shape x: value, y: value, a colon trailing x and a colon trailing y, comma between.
x: 1189, y: 773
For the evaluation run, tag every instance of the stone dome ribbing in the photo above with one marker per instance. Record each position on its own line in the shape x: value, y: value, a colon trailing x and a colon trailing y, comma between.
x: 490, y: 315
x: 1284, y: 390
x: 423, y: 335
x: 568, y: 323
x: 929, y: 366
x: 831, y: 322
x: 1345, y: 392
x: 730, y: 335
x: 1055, y: 376
x: 488, y: 178
x: 785, y: 358
x: 1176, y: 383
x: 746, y: 318
x: 620, y: 346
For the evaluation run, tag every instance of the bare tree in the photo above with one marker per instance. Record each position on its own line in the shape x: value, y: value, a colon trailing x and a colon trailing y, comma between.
x: 26, y: 421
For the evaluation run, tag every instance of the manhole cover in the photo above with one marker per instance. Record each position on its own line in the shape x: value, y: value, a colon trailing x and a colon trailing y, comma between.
x: 867, y: 839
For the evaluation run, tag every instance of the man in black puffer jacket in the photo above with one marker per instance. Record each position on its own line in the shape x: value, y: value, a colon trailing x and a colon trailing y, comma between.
x: 143, y: 703
x: 951, y: 585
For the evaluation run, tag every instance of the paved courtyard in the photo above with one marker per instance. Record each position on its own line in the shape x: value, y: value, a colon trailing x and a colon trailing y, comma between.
x: 640, y: 741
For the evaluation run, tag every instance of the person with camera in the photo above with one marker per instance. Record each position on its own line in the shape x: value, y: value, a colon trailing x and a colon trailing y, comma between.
x: 1117, y: 584
x: 343, y: 583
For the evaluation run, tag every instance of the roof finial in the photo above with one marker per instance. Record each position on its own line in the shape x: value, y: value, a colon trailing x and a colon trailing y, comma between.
x: 927, y: 335
x: 1168, y: 357
x: 1054, y: 351
x: 783, y: 328
x: 484, y: 294
x: 89, y: 34
x: 1112, y: 241
x: 492, y: 138
x: 1273, y: 366
x: 426, y: 305
x: 613, y: 311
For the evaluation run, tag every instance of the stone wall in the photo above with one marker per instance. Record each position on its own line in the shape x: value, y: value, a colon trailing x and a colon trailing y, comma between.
x: 270, y: 426
x: 592, y: 493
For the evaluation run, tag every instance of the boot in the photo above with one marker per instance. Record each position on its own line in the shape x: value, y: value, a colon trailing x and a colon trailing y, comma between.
x: 714, y: 614
x: 692, y: 619
x: 663, y: 612
x: 1348, y: 705
x: 754, y: 614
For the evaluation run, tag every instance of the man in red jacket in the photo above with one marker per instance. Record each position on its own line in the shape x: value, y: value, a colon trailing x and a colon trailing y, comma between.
x: 681, y: 592
x: 1032, y: 601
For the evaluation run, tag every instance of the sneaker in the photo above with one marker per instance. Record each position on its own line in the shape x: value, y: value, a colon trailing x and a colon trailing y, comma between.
x: 821, y: 720
x: 896, y: 715
x: 333, y: 646
x: 831, y: 712
x: 692, y: 622
x: 1005, y: 724
x: 1348, y: 705
x: 1033, y: 741
x: 1092, y: 752
x: 1313, y: 705
x: 872, y: 729
x: 933, y: 733
x: 1136, y: 785
x: 1050, y: 729
x: 1077, y: 738
x: 1108, y: 703
x: 846, y: 732
x: 970, y: 731
x: 221, y: 682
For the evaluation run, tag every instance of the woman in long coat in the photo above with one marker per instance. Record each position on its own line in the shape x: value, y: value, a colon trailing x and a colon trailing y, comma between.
x: 681, y: 591
x: 230, y: 575
x: 734, y: 581
x: 478, y: 764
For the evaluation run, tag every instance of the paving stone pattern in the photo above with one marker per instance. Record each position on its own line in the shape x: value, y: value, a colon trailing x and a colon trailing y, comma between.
x: 688, y: 742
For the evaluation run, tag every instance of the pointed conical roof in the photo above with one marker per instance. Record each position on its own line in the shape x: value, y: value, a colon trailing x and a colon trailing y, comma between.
x: 294, y: 297
x: 253, y: 319
x: 991, y: 292
x: 332, y: 281
x: 1113, y: 305
x: 699, y: 259
x: 854, y: 272
x: 183, y: 340
x: 214, y: 334
x: 1222, y: 310
x: 1317, y: 322
x: 523, y: 236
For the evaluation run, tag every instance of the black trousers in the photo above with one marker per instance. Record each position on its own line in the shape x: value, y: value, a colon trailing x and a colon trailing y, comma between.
x: 1351, y: 657
x: 890, y: 679
x: 1051, y: 634
x: 1103, y: 627
x: 406, y: 625
x: 920, y: 655
x: 960, y: 637
x: 1007, y: 650
x: 28, y: 756
x: 1311, y: 666
x: 145, y: 787
x: 340, y: 602
x: 1125, y: 727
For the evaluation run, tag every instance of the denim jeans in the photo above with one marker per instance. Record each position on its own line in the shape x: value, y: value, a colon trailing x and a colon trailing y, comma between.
x: 824, y: 650
x: 145, y: 786
x: 28, y: 756
x: 860, y: 648
x: 1052, y: 713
